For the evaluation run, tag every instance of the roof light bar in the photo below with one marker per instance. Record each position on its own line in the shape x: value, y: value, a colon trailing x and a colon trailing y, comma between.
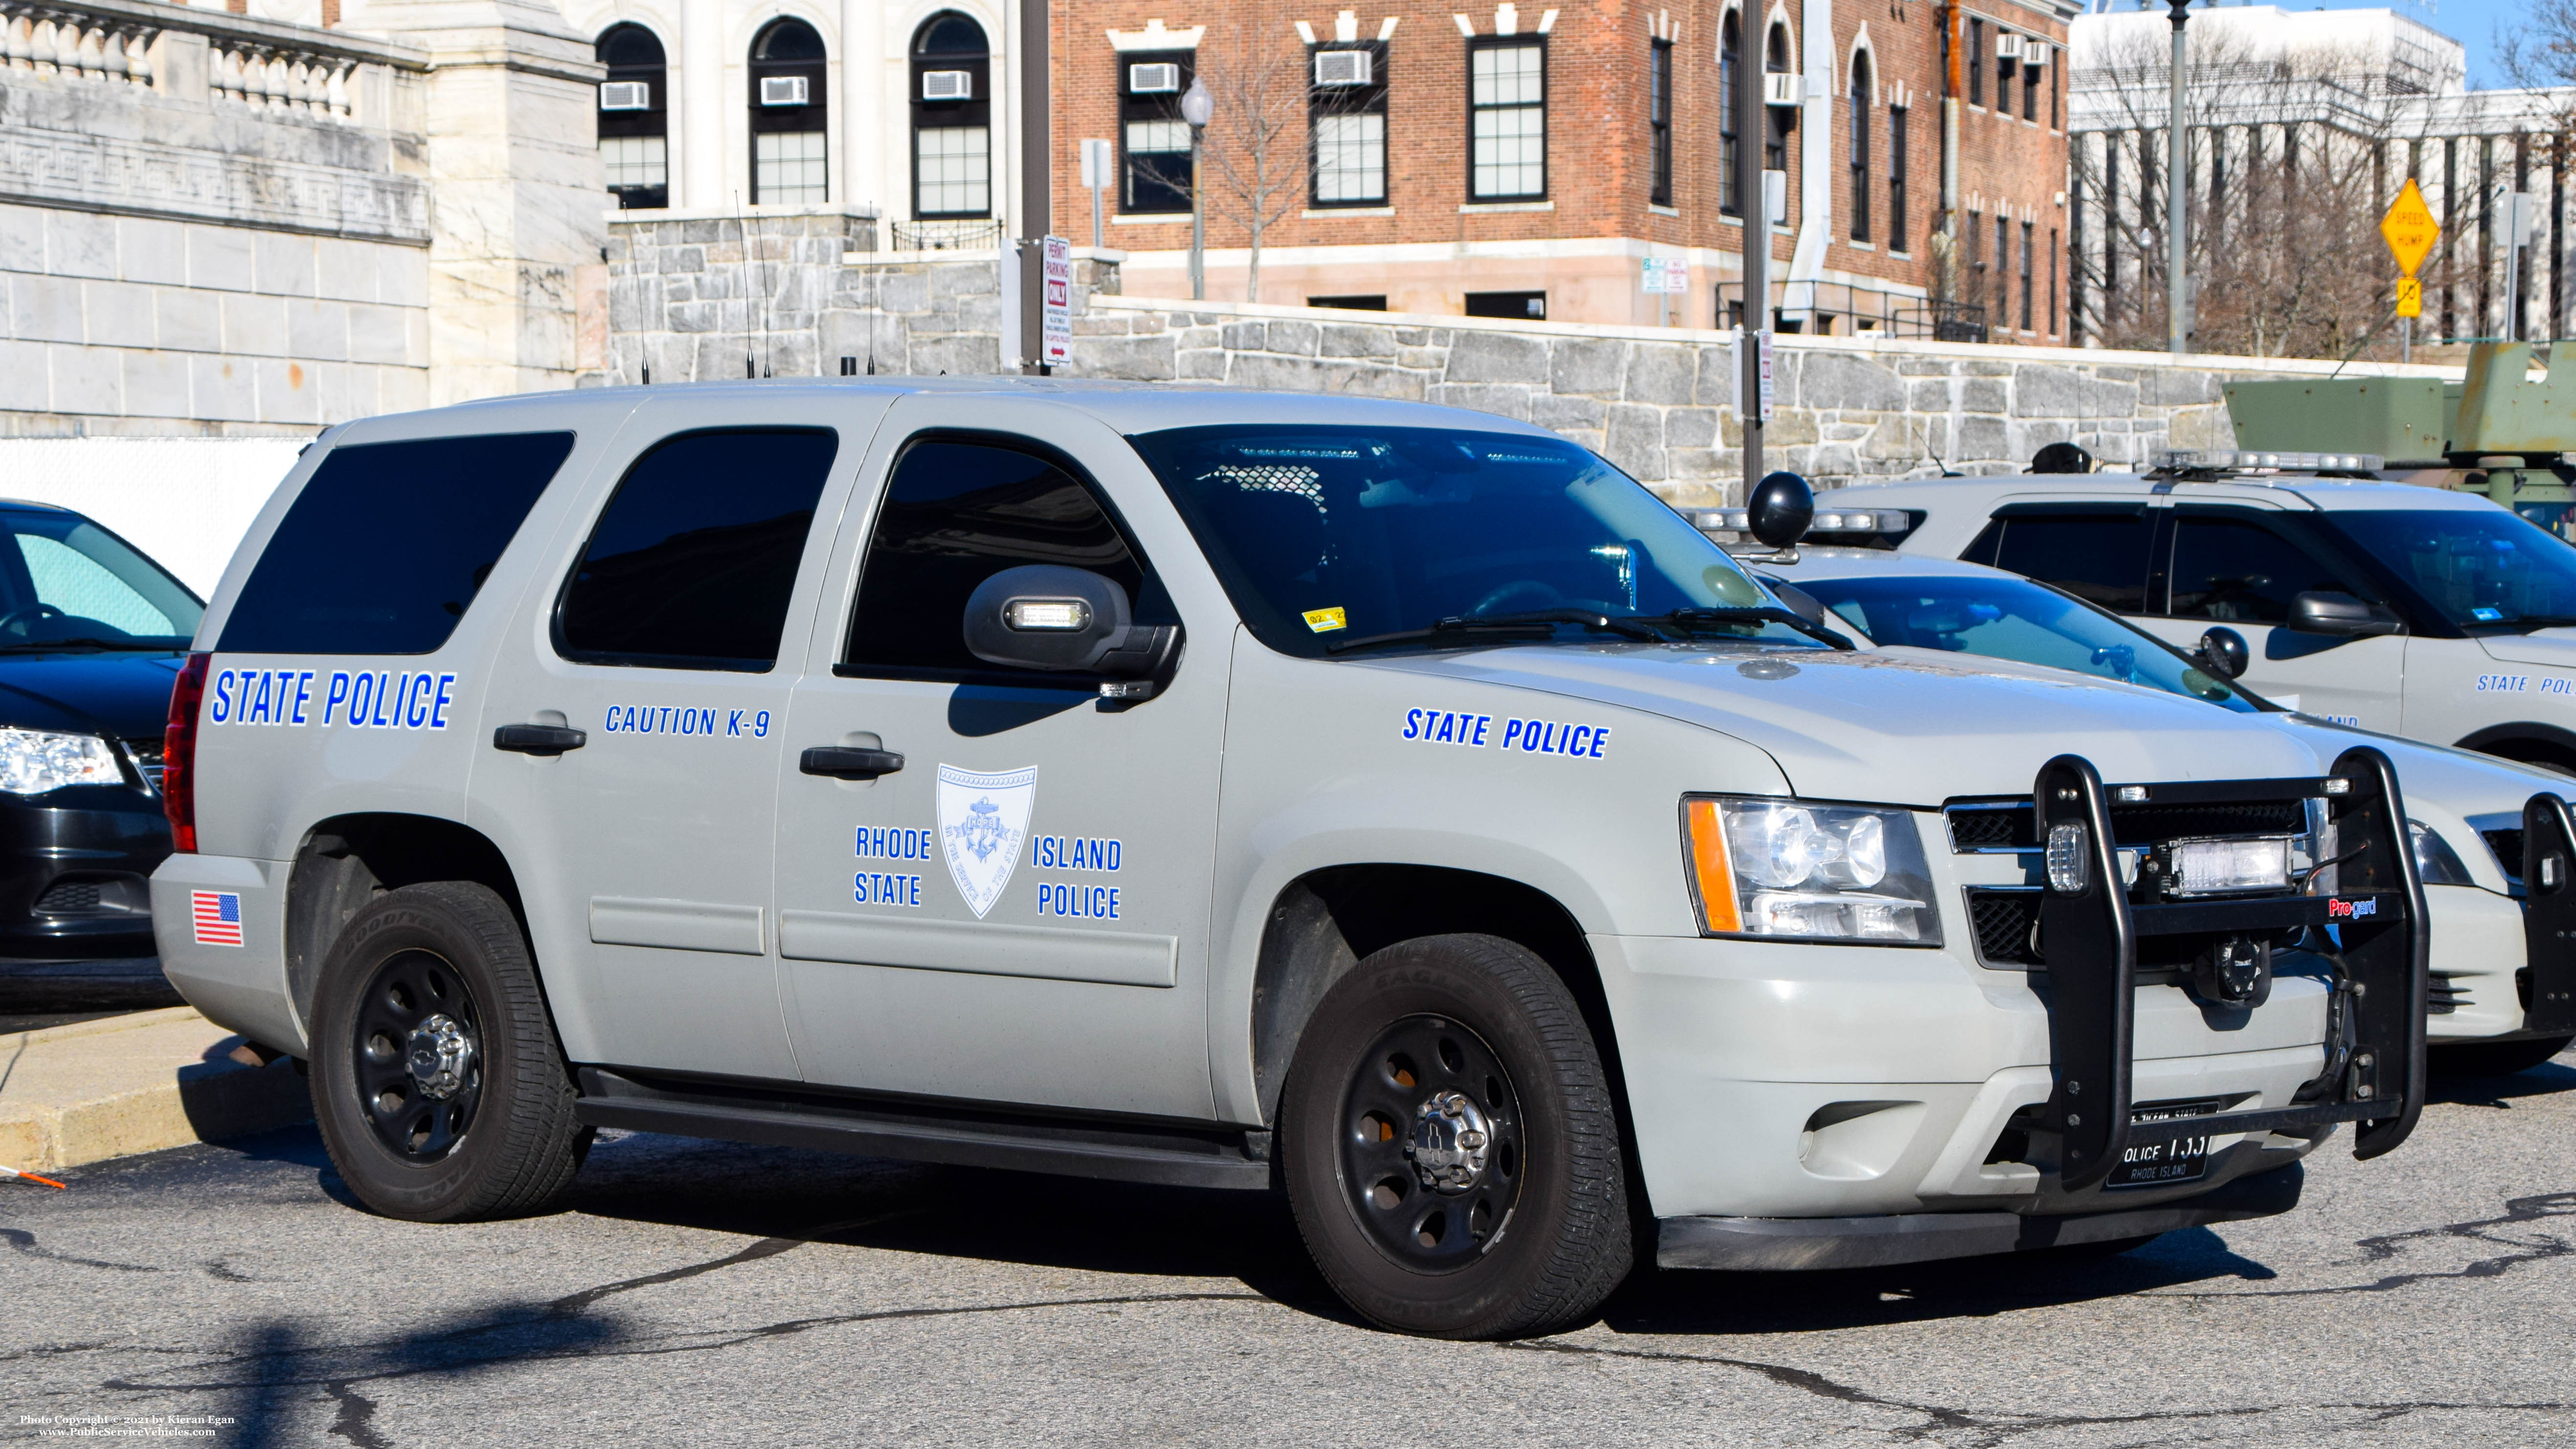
x: 1828, y: 520
x: 2229, y: 458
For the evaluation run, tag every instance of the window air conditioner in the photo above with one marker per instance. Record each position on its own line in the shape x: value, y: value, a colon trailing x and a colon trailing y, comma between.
x: 782, y: 90
x: 1341, y: 67
x: 626, y: 96
x: 2008, y: 46
x: 1784, y: 90
x: 2035, y: 52
x: 948, y: 85
x: 1157, y: 78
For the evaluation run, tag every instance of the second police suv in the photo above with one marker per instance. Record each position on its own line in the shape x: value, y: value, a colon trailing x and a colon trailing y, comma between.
x: 1392, y: 805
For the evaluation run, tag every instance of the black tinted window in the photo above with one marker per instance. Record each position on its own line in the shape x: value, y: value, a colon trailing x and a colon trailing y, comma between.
x: 694, y: 558
x: 2100, y: 558
x: 388, y: 543
x: 955, y: 514
x: 2235, y: 569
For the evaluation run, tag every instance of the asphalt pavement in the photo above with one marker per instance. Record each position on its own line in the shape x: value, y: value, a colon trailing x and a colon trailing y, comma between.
x: 707, y: 1294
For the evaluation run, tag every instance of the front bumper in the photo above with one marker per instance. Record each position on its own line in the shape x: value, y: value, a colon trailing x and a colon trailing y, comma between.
x: 75, y: 871
x: 1805, y: 1244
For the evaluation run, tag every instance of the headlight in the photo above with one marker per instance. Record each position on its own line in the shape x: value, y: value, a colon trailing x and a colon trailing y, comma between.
x: 34, y: 761
x: 2435, y: 861
x: 1812, y: 872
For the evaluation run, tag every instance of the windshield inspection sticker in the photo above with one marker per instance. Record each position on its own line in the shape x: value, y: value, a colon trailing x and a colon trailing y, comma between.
x: 1447, y: 727
x: 363, y: 700
x: 983, y: 821
x: 1324, y: 621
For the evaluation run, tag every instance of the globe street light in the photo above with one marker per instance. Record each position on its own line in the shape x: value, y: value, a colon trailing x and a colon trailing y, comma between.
x: 1196, y: 107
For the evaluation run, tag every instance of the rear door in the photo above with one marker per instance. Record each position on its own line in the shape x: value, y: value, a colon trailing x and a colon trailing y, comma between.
x: 642, y: 840
x: 1019, y: 913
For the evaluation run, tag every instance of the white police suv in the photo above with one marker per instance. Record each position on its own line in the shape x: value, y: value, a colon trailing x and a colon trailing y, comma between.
x: 1392, y: 805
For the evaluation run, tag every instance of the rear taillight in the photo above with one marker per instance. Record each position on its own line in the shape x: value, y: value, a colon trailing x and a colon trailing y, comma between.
x: 179, y: 754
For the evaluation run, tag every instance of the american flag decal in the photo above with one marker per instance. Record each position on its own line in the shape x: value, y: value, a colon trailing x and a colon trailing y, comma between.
x: 218, y: 917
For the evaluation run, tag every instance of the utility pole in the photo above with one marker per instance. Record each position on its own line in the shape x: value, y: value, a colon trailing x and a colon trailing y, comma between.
x: 1037, y: 184
x: 2177, y: 191
x: 1753, y: 201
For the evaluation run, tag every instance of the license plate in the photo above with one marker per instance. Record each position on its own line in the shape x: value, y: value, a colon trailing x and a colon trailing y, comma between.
x: 2163, y: 1149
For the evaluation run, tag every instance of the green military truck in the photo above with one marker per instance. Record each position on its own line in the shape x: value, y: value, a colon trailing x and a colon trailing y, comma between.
x: 2504, y: 431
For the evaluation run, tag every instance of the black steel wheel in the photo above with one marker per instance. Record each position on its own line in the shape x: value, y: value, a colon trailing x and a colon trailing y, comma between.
x: 436, y: 1081
x: 417, y: 1055
x: 1431, y: 1143
x: 1450, y: 1146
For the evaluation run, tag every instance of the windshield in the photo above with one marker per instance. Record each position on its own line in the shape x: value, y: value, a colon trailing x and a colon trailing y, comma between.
x: 2024, y: 622
x: 2474, y: 566
x: 1328, y: 535
x: 66, y: 582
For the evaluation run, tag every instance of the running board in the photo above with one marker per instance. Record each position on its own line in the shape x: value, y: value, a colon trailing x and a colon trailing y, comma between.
x: 964, y: 1134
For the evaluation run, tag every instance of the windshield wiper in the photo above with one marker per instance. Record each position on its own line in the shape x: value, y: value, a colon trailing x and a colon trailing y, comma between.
x: 1750, y: 614
x: 1463, y: 629
x: 2531, y: 621
x: 34, y: 646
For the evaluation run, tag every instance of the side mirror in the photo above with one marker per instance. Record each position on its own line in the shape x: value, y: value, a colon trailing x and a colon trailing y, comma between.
x: 2333, y: 612
x: 1780, y: 509
x: 2223, y: 653
x: 1065, y: 620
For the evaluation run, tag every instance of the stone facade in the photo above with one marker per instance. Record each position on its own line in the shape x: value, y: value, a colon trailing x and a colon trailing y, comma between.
x: 216, y: 224
x: 800, y: 292
x: 189, y: 248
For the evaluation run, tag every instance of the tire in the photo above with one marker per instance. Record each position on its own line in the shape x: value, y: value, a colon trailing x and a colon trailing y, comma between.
x: 436, y: 1081
x: 2495, y: 1058
x: 1450, y: 1146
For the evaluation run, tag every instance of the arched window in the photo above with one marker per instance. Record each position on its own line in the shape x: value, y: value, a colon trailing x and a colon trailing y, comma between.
x: 635, y: 117
x: 789, y: 140
x: 1730, y: 55
x: 1775, y: 149
x: 952, y: 119
x: 1860, y: 93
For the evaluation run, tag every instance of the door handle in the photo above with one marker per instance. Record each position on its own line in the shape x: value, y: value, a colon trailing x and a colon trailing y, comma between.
x: 526, y: 739
x: 844, y: 763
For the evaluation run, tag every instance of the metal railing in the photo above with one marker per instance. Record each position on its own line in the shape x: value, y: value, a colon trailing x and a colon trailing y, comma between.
x: 1848, y: 309
x: 946, y: 236
x: 249, y: 62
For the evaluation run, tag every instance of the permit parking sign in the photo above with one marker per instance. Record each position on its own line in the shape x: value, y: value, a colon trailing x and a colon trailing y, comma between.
x: 1666, y: 274
x: 1056, y: 324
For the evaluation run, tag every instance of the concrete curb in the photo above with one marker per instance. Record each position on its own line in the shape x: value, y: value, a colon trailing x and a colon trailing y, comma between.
x: 126, y: 1084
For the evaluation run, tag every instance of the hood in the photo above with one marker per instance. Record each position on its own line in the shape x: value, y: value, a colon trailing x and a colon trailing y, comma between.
x: 125, y: 695
x: 1899, y: 726
x: 2540, y: 646
x: 2463, y: 782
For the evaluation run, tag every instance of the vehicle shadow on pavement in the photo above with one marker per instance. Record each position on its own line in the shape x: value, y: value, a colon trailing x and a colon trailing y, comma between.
x: 1684, y: 1302
x: 2546, y: 1079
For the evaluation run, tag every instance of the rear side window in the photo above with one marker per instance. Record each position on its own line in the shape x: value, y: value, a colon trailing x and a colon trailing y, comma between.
x: 2100, y: 558
x: 955, y: 514
x: 694, y: 560
x: 388, y: 543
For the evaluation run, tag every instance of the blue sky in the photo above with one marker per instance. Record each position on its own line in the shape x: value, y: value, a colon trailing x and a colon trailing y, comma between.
x: 2472, y: 23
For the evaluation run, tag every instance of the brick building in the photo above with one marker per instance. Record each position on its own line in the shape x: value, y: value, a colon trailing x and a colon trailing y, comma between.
x: 1525, y: 162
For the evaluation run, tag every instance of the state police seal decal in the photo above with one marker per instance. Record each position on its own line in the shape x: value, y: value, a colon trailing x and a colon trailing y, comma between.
x: 983, y: 822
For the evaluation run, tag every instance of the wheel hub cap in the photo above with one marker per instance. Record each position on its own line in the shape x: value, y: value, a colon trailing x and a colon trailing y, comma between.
x: 440, y: 1055
x: 1451, y: 1138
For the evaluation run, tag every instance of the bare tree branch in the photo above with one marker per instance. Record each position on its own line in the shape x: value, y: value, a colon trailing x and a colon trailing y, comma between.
x: 1253, y: 160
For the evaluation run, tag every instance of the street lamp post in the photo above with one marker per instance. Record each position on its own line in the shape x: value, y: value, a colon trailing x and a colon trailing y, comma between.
x: 1197, y: 106
x: 2177, y: 189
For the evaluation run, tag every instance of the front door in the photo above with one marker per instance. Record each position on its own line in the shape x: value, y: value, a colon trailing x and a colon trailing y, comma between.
x: 644, y: 848
x: 2241, y: 567
x: 1018, y: 913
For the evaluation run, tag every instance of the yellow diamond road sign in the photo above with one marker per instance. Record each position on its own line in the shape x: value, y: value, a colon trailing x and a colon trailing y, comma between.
x: 2410, y: 228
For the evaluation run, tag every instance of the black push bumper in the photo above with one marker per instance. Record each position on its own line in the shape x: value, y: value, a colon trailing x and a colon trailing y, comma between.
x: 1774, y: 1245
x: 2549, y: 915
